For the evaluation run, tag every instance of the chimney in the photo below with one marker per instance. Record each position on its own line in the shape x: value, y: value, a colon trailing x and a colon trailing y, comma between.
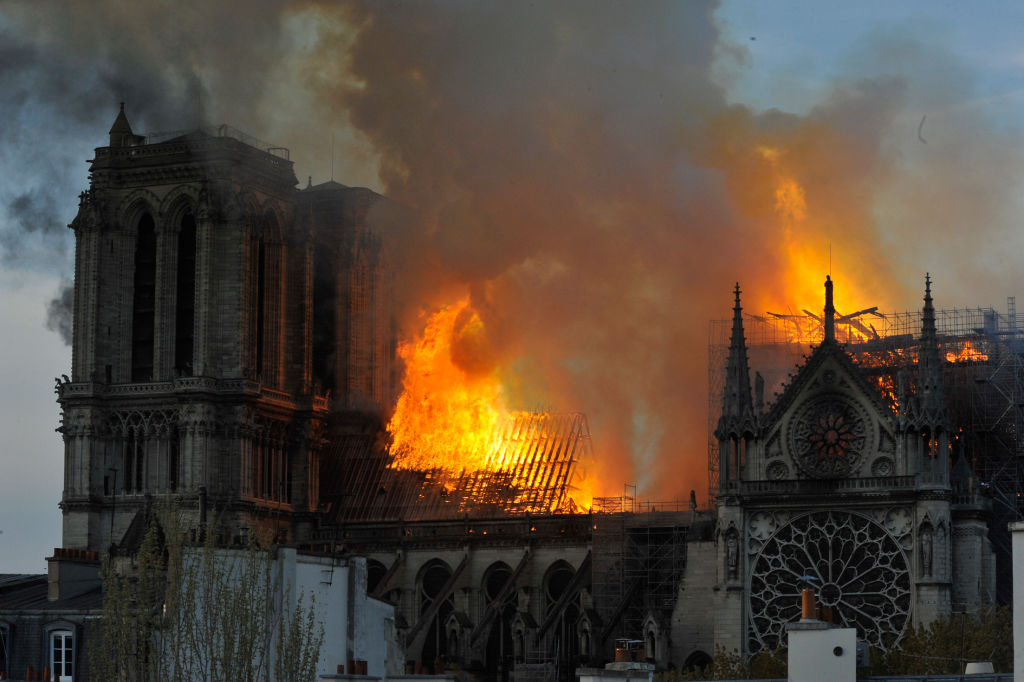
x: 71, y: 572
x: 808, y: 610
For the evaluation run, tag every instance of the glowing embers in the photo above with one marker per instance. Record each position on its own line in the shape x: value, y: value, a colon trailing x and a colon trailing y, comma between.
x: 533, y: 467
x: 452, y: 424
x: 808, y: 328
x: 966, y: 353
x: 888, y: 389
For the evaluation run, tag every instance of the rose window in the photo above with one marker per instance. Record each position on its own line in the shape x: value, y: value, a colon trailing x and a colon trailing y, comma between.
x: 828, y: 437
x: 861, y: 571
x: 830, y: 434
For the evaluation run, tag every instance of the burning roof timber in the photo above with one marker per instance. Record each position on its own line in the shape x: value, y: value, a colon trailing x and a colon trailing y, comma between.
x: 532, y: 467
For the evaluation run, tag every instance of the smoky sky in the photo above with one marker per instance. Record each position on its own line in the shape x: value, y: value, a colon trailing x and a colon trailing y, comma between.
x: 580, y: 170
x: 59, y: 312
x: 577, y: 168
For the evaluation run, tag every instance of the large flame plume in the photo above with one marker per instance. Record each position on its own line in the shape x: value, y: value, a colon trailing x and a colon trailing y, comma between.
x: 447, y: 415
x: 453, y: 422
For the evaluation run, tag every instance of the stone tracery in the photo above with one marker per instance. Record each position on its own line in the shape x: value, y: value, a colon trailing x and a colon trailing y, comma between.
x: 863, y: 575
x: 828, y: 437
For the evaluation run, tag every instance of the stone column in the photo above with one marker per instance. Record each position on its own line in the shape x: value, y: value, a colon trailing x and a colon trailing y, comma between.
x: 203, y: 300
x: 275, y: 283
x: 123, y: 269
x: 1017, y: 533
x: 728, y: 596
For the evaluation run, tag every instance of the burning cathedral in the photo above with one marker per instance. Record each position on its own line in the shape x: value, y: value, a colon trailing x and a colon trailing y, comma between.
x: 234, y: 351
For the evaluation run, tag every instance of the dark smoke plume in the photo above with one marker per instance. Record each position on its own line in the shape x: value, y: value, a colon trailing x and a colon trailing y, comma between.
x: 59, y: 312
x: 576, y: 167
x: 33, y: 217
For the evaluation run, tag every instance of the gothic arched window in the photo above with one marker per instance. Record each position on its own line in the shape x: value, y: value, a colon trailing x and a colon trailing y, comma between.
x: 144, y: 300
x: 500, y: 646
x: 557, y: 582
x: 184, y: 313
x: 432, y: 580
x: 324, y: 321
x: 261, y: 301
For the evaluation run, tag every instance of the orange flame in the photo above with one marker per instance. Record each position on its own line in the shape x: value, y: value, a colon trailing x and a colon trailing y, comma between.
x: 887, y: 388
x: 804, y: 262
x: 968, y: 353
x: 446, y: 418
x: 452, y: 420
x: 805, y: 258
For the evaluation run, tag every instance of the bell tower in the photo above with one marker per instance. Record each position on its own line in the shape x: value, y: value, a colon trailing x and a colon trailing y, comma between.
x: 192, y: 345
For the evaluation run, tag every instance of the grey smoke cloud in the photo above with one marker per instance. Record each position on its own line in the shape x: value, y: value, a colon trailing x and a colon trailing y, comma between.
x: 59, y: 312
x: 577, y: 167
x: 34, y: 215
x: 580, y: 170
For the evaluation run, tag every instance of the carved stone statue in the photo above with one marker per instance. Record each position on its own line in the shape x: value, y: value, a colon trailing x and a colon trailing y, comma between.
x: 522, y: 600
x: 732, y: 555
x: 926, y: 551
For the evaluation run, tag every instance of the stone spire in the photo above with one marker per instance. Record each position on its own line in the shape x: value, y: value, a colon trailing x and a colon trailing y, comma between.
x: 121, y: 134
x: 830, y: 312
x: 930, y: 397
x: 737, y: 405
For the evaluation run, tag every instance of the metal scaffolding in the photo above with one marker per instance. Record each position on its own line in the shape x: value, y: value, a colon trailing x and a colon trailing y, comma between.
x: 639, y: 562
x: 983, y: 374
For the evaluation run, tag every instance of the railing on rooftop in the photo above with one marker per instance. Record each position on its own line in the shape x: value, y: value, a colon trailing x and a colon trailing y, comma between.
x: 223, y: 130
x: 823, y: 485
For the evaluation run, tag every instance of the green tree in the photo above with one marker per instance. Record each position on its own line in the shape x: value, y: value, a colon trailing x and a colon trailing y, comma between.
x: 946, y: 645
x: 185, y: 611
x: 731, y: 665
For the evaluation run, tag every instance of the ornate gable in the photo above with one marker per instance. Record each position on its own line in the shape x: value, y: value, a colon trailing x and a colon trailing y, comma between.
x: 830, y: 422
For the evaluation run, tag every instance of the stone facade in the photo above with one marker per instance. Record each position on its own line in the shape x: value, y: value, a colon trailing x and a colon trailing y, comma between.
x: 227, y: 325
x: 221, y: 316
x: 497, y: 596
x: 834, y: 486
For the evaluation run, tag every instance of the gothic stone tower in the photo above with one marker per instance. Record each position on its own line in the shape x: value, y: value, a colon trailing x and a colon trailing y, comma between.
x: 220, y: 316
x: 834, y: 483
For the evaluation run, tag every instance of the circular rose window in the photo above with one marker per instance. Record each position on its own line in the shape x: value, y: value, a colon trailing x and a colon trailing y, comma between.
x: 860, y: 572
x: 828, y: 437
